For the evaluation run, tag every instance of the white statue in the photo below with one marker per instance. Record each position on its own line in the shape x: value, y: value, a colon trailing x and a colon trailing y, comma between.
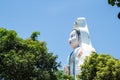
x: 80, y: 42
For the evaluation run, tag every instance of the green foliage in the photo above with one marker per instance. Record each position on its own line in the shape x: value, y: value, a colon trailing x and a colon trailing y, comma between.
x: 34, y: 35
x: 62, y: 76
x: 25, y: 59
x: 114, y: 2
x: 100, y: 67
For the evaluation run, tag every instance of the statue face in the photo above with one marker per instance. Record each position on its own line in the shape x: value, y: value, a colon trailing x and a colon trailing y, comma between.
x: 73, y: 40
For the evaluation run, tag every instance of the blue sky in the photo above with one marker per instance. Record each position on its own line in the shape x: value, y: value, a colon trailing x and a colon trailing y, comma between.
x: 55, y: 18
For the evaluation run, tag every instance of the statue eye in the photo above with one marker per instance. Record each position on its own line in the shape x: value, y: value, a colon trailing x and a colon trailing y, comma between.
x: 72, y: 35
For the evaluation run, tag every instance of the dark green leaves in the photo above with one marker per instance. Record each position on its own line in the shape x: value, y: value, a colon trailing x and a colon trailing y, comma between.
x: 112, y: 2
x: 25, y: 59
x: 34, y: 35
x: 115, y: 3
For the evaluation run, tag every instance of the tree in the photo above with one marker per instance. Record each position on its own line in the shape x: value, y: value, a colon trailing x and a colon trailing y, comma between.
x: 100, y: 67
x: 62, y: 76
x: 25, y: 59
x: 34, y: 35
x: 115, y: 3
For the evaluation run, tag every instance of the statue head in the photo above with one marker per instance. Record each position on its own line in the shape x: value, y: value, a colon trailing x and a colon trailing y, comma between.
x: 74, y: 39
x: 79, y: 34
